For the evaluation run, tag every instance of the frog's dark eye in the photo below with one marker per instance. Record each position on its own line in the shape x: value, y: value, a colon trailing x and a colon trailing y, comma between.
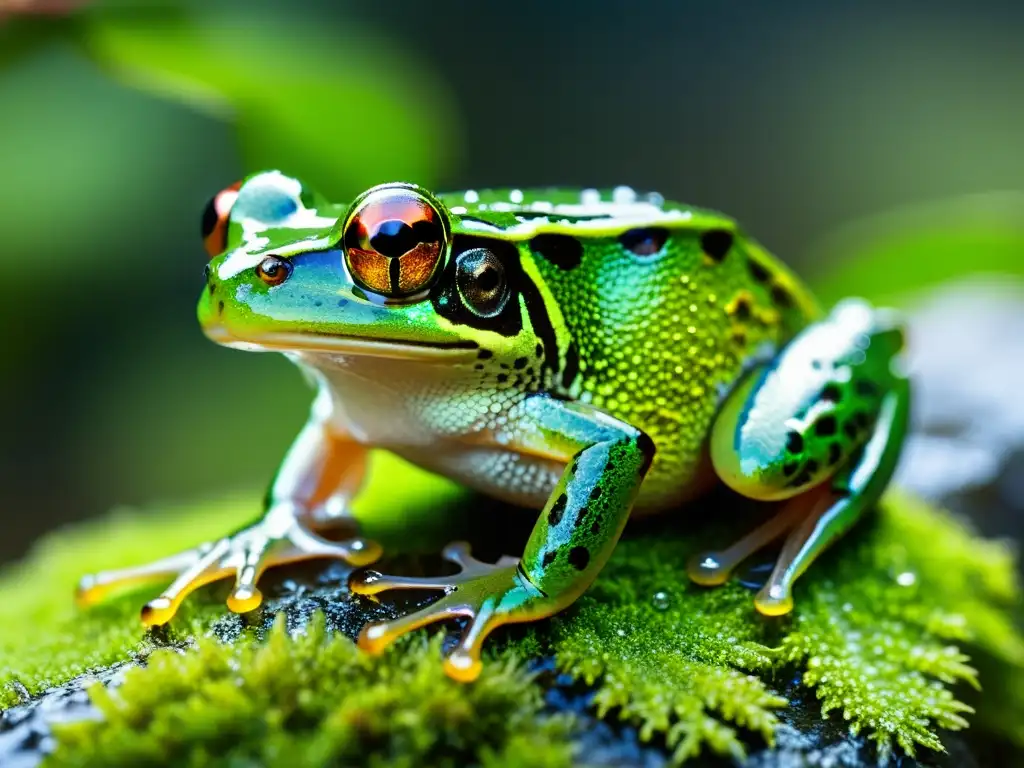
x: 273, y: 270
x: 480, y: 278
x: 215, y: 219
x: 395, y: 241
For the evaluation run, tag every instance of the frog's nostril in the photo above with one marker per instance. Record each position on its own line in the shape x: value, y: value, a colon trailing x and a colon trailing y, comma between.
x: 206, y: 273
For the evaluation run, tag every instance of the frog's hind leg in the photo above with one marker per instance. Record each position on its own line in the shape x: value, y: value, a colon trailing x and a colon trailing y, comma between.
x: 851, y: 493
x: 820, y: 429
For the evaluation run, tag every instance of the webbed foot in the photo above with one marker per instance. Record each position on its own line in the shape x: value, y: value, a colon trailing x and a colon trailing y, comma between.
x: 280, y: 537
x: 490, y: 595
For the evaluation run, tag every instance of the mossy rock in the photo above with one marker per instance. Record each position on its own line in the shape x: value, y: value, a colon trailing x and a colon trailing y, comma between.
x: 890, y: 631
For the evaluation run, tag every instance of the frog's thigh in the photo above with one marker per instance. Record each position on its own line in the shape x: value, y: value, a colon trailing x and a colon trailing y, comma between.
x: 830, y: 409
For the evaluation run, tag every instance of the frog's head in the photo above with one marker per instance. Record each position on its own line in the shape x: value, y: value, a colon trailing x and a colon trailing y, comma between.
x: 383, y: 277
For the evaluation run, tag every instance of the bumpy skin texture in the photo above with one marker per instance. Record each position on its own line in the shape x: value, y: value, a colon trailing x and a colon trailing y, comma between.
x: 569, y: 350
x: 661, y: 339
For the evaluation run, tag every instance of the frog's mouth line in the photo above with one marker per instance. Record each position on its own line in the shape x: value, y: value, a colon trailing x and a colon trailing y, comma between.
x: 352, y: 345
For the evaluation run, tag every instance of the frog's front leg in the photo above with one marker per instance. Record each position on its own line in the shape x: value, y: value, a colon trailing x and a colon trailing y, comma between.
x: 322, y: 471
x: 821, y: 429
x: 606, y: 461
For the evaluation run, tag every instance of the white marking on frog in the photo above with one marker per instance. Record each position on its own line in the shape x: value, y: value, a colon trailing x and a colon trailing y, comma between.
x: 254, y: 241
x: 623, y: 195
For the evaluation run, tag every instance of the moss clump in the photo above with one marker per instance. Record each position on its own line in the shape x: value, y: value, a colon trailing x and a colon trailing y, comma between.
x: 668, y: 656
x: 45, y: 640
x: 314, y: 700
x: 876, y: 628
x: 872, y: 634
x: 882, y: 633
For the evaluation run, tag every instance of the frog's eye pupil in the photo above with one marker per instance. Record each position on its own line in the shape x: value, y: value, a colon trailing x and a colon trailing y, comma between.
x: 488, y: 279
x: 395, y: 241
x: 480, y: 278
x: 394, y: 238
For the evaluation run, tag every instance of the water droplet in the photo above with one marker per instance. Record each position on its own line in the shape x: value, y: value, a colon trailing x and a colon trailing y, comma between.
x: 906, y: 579
x: 660, y: 601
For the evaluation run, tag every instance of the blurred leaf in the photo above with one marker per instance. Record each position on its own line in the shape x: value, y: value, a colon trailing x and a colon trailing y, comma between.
x: 889, y: 257
x: 339, y: 108
x: 89, y: 168
x: 25, y: 35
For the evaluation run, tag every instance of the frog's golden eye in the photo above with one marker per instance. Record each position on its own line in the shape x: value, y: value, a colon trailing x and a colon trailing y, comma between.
x: 395, y: 241
x: 215, y: 219
x: 273, y: 270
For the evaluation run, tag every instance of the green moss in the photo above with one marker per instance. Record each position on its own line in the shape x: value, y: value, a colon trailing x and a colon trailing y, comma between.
x: 885, y: 633
x: 313, y: 700
x: 875, y: 629
x: 667, y: 655
x: 46, y: 640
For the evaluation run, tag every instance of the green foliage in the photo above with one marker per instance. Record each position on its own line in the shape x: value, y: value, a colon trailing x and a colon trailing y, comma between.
x: 881, y: 634
x: 314, y: 700
x: 340, y: 109
x: 889, y: 257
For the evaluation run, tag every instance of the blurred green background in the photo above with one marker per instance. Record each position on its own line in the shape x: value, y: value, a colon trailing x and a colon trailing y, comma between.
x: 876, y: 146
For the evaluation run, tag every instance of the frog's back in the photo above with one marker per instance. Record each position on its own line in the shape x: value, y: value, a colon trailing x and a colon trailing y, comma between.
x: 660, y: 307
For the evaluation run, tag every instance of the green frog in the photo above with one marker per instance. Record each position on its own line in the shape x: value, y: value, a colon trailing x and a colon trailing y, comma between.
x: 590, y: 354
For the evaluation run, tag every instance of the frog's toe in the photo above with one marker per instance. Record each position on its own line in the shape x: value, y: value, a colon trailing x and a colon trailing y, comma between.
x: 252, y: 558
x: 372, y: 583
x: 356, y: 551
x: 246, y: 555
x: 488, y: 594
x: 206, y: 568
x: 774, y: 600
x: 94, y: 587
x: 713, y: 568
x: 709, y: 569
x: 480, y: 605
x: 463, y: 663
x: 376, y: 637
x: 244, y: 598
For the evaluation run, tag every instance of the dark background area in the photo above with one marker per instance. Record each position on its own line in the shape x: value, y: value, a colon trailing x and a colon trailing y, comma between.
x: 801, y: 119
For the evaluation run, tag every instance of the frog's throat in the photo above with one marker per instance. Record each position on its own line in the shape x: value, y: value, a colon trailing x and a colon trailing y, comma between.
x: 350, y: 345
